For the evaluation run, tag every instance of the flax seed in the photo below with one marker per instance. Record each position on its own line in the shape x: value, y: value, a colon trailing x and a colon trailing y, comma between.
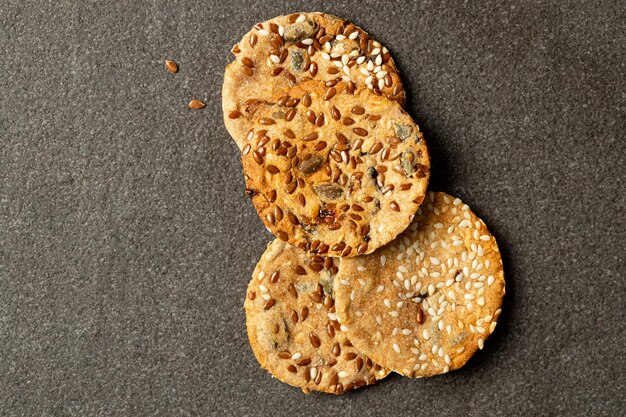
x: 246, y: 70
x: 257, y: 157
x: 311, y: 136
x: 172, y: 67
x: 196, y: 104
x: 315, y: 341
x: 291, y: 289
x: 320, y: 145
x: 375, y: 148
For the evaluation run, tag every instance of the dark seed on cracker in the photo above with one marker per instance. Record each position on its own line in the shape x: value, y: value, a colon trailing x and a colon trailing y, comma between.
x: 403, y: 131
x: 300, y: 31
x: 328, y: 191
x: 310, y: 165
x: 296, y: 61
x: 409, y: 163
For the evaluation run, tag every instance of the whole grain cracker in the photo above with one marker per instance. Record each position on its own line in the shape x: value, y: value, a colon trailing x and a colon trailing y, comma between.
x: 287, y: 50
x: 333, y: 173
x: 293, y: 331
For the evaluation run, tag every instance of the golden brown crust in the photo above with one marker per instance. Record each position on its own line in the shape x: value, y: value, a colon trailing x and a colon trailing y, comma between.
x: 334, y: 173
x: 275, y: 55
x: 423, y: 304
x: 292, y: 328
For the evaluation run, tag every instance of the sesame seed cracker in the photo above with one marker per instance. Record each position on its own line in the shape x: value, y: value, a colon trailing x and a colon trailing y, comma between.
x: 423, y: 304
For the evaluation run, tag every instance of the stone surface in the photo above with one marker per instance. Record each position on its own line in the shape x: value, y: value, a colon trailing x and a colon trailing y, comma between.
x: 126, y: 242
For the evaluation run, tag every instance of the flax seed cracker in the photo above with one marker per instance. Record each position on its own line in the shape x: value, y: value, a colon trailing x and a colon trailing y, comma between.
x: 336, y: 174
x: 282, y: 52
x: 293, y: 331
x: 423, y: 304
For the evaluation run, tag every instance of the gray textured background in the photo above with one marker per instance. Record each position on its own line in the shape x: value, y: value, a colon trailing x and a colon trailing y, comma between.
x: 126, y: 242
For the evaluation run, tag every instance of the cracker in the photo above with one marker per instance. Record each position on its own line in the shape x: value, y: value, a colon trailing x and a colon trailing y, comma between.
x: 282, y: 52
x: 293, y: 331
x: 335, y: 174
x: 423, y: 304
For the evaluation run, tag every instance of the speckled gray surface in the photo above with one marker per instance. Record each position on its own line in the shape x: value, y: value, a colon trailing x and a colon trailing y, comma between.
x: 126, y: 242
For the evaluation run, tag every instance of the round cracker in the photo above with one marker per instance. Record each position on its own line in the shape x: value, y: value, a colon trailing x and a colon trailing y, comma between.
x: 275, y: 55
x: 292, y: 327
x: 338, y: 175
x: 422, y: 305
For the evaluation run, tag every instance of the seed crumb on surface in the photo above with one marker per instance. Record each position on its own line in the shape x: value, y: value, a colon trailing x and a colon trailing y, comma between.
x: 196, y: 104
x: 171, y: 66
